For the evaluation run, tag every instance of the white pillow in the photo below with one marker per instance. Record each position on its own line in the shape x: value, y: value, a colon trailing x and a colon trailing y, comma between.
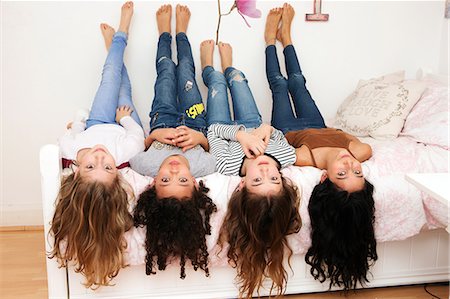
x: 428, y: 121
x: 378, y: 107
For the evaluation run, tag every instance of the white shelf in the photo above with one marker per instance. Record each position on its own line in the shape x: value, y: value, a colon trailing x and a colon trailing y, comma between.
x: 436, y: 185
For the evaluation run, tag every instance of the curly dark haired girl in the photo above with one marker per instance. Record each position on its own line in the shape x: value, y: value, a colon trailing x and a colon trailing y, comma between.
x: 343, y: 239
x: 175, y: 228
x: 256, y: 227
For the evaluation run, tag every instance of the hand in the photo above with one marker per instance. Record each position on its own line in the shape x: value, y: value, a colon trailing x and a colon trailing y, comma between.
x: 264, y: 131
x: 121, y: 112
x: 251, y: 145
x: 188, y: 138
x: 163, y: 135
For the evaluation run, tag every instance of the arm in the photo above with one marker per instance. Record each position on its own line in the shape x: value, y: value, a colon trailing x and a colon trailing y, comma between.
x: 264, y: 131
x: 189, y: 138
x: 123, y: 117
x: 303, y: 157
x: 220, y: 149
x: 227, y: 132
x: 281, y: 149
x: 361, y: 151
x: 163, y: 135
x: 76, y: 127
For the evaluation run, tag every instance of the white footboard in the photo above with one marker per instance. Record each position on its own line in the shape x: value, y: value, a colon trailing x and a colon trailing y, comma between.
x: 50, y: 164
x: 420, y: 259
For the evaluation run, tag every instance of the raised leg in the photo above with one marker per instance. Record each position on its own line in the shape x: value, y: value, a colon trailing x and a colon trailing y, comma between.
x: 244, y: 106
x: 103, y: 110
x: 190, y: 101
x: 125, y: 98
x: 308, y: 115
x: 106, y: 100
x: 164, y: 107
x: 218, y: 108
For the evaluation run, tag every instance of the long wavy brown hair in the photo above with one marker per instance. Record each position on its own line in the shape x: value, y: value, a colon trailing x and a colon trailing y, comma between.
x: 256, y: 227
x: 88, y: 227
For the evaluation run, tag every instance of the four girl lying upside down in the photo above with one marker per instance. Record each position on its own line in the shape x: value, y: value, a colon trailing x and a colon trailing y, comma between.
x: 185, y: 142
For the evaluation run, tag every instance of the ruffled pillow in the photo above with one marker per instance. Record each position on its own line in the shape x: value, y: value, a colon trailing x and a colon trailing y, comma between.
x: 428, y: 121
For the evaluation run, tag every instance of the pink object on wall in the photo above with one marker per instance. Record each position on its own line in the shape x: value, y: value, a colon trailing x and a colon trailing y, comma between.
x: 317, y: 16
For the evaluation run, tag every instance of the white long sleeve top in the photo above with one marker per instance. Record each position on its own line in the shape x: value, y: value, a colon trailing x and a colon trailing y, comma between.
x: 229, y: 154
x: 123, y: 141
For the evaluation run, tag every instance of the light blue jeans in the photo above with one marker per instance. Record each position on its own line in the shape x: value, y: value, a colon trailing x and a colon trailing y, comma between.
x: 218, y: 110
x: 115, y: 88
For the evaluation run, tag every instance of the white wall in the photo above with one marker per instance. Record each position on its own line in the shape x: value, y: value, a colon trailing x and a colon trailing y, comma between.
x: 53, y: 52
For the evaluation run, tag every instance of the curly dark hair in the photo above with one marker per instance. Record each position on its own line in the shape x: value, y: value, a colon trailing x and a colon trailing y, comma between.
x: 343, y: 239
x: 175, y: 227
x: 256, y: 226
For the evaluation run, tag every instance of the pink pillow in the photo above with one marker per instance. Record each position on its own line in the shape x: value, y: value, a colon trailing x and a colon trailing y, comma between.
x: 428, y: 121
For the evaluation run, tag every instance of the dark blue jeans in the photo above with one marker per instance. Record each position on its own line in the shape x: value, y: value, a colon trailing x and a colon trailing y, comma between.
x: 283, y: 118
x: 115, y: 88
x: 177, y: 98
x: 244, y: 106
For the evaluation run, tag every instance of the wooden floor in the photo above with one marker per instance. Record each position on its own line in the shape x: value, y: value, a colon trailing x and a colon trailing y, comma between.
x: 23, y: 274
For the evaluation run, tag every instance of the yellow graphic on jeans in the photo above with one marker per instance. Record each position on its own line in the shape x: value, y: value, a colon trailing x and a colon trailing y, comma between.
x: 195, y: 110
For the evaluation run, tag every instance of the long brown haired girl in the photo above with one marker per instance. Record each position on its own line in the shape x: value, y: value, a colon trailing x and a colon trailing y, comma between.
x: 91, y: 214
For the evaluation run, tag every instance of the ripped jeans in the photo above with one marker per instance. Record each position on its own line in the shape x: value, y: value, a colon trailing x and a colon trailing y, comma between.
x: 177, y: 99
x: 308, y: 115
x: 244, y: 107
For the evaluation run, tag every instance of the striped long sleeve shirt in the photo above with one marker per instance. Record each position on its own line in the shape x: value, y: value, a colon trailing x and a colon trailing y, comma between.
x: 229, y: 154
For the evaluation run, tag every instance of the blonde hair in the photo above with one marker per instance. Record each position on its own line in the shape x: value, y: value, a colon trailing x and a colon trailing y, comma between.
x: 88, y: 227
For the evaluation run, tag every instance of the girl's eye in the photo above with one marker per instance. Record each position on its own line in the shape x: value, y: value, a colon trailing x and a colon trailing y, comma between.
x: 342, y: 173
x: 165, y: 180
x: 183, y: 180
x: 90, y: 166
x: 256, y: 180
x: 357, y: 172
x: 274, y: 178
x: 108, y: 167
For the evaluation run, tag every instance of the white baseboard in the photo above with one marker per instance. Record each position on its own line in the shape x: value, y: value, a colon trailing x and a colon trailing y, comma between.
x: 21, y: 216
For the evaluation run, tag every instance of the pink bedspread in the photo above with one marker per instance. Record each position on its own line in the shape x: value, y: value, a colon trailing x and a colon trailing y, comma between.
x: 401, y: 209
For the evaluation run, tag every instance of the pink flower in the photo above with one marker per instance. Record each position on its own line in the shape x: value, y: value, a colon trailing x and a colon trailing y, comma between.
x: 248, y: 8
x: 244, y: 7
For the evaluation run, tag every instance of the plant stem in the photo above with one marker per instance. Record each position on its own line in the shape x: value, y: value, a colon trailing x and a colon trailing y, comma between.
x: 218, y: 23
x: 220, y: 17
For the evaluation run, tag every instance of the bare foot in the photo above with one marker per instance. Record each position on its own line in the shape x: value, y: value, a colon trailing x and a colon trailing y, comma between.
x: 183, y: 15
x: 226, y: 55
x: 272, y: 23
x: 286, y: 21
x: 108, y: 33
x: 125, y: 18
x: 163, y: 18
x: 206, y: 53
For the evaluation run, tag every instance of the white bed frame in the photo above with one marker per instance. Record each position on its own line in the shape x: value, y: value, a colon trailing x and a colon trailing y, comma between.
x: 423, y: 258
